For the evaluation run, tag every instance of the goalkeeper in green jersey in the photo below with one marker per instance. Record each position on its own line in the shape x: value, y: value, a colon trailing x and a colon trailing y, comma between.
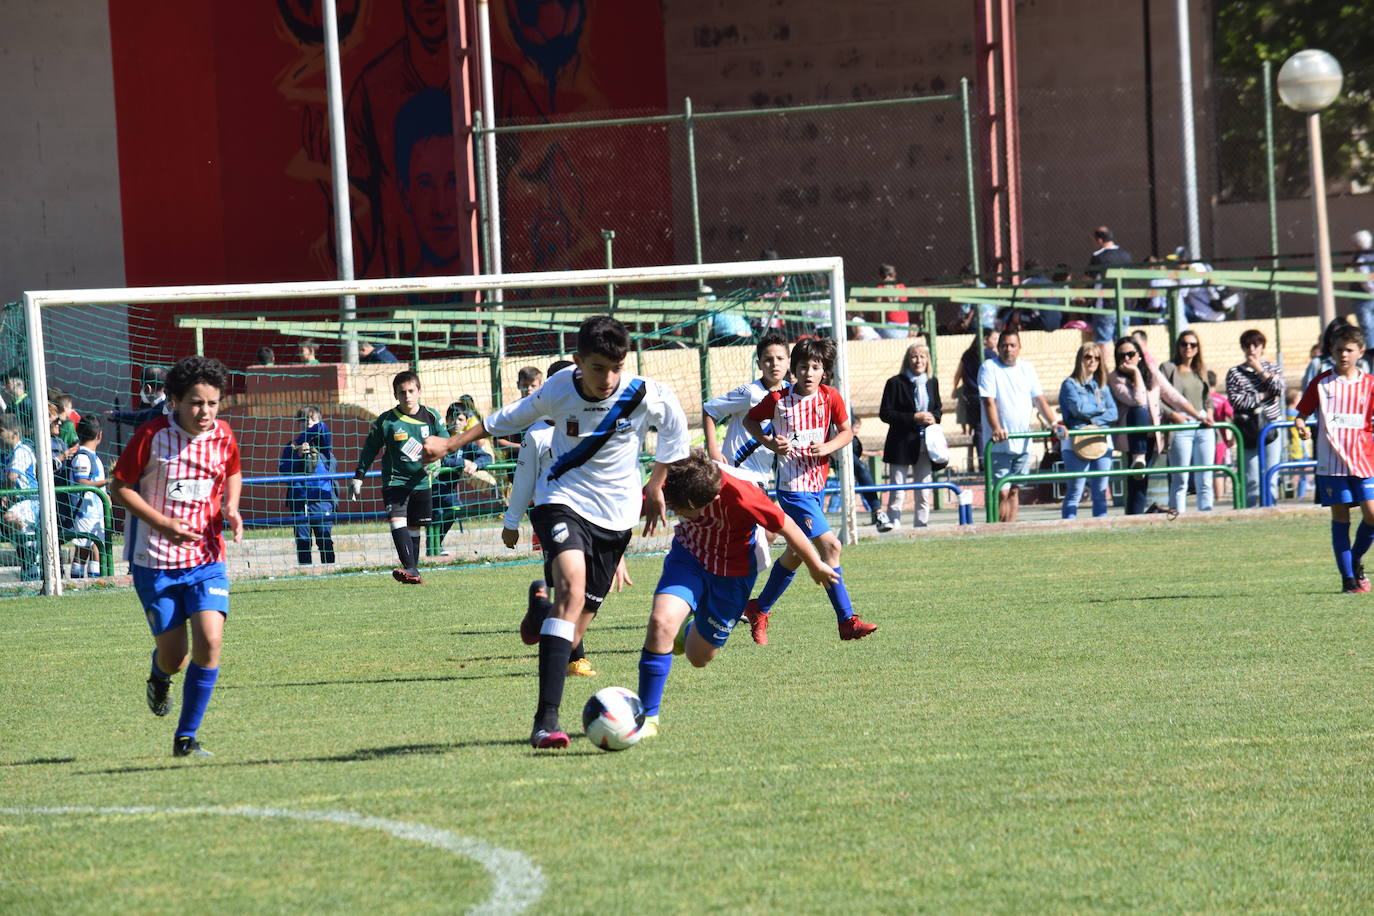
x: 399, y: 435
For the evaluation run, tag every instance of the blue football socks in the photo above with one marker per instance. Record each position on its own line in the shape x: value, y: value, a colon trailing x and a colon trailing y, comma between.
x: 839, y: 599
x: 653, y: 677
x: 1364, y: 537
x: 779, y: 577
x: 1340, y: 546
x: 195, y: 696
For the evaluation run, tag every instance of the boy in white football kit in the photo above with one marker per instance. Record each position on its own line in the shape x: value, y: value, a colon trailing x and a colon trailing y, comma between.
x: 1343, y: 400
x: 741, y: 450
x: 172, y: 477
x: 588, y: 502
x: 89, y: 518
x: 802, y: 417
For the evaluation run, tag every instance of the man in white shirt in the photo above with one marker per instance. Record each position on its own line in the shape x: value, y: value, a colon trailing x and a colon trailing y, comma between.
x: 1010, y: 393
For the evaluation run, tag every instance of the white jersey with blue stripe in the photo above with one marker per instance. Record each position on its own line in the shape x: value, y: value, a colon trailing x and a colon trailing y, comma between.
x: 741, y: 450
x: 594, y: 469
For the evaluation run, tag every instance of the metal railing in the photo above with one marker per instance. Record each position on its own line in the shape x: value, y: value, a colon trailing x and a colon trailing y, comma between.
x: 66, y: 534
x: 994, y: 484
x: 1268, y: 473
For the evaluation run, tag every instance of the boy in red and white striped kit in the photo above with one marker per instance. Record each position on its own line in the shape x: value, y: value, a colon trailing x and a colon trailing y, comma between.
x: 802, y: 417
x: 179, y: 479
x: 710, y: 570
x: 1343, y: 400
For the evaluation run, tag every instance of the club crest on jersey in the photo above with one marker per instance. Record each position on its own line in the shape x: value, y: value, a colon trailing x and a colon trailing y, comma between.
x: 572, y: 426
x: 623, y: 426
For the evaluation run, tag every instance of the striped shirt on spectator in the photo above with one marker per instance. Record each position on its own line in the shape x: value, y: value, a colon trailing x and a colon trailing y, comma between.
x: 181, y: 476
x: 1344, y: 409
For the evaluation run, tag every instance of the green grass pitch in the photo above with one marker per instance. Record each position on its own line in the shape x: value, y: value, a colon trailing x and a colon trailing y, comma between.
x: 1169, y: 718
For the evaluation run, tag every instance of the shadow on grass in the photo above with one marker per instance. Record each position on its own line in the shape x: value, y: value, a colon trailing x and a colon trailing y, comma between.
x: 379, y: 680
x: 507, y: 631
x: 360, y: 755
x: 39, y: 761
x: 1193, y: 597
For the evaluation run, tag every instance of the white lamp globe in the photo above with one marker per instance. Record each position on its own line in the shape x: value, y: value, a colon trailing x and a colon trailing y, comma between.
x: 1310, y: 80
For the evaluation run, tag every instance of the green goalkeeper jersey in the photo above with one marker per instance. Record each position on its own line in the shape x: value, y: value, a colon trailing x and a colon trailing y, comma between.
x: 400, y: 438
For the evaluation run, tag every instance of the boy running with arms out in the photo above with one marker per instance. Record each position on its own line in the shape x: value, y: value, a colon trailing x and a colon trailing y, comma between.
x: 1343, y: 400
x: 741, y: 450
x: 399, y: 434
x: 802, y: 417
x: 588, y: 502
x: 711, y: 567
x: 172, y: 478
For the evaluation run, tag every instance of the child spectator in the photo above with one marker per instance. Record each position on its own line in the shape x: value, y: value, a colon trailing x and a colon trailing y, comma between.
x: 710, y: 569
x: 399, y: 436
x: 802, y: 417
x: 1222, y: 412
x: 310, y: 499
x: 897, y: 321
x: 266, y: 357
x: 589, y: 501
x: 464, y: 415
x: 1343, y: 400
x: 1297, y: 446
x: 179, y: 479
x: 20, y: 512
x: 527, y: 381
x: 86, y: 469
x: 309, y: 349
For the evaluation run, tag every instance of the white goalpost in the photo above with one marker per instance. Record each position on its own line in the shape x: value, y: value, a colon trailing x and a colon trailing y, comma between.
x: 830, y: 269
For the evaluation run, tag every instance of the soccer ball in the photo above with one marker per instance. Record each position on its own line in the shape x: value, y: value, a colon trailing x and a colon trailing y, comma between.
x: 613, y: 718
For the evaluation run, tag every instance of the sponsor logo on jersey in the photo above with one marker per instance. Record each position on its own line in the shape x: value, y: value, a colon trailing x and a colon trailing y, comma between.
x: 400, y: 435
x: 189, y: 490
x: 222, y: 592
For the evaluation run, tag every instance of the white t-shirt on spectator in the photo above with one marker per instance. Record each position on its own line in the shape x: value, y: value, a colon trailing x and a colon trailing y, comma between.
x: 1014, y: 389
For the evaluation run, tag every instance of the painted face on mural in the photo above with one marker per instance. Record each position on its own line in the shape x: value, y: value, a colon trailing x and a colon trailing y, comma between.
x: 432, y: 198
x: 427, y: 19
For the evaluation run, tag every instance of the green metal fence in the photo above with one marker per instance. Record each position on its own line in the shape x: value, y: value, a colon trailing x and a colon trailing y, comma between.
x: 993, y: 485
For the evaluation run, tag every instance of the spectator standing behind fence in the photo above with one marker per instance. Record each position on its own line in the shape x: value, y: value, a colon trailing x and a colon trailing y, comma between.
x: 1363, y: 262
x: 1010, y: 392
x: 152, y: 396
x: 1296, y: 445
x: 85, y: 468
x: 310, y: 499
x: 1222, y: 412
x: 309, y: 349
x: 1255, y: 389
x: 1188, y: 374
x: 897, y: 321
x: 1085, y: 403
x: 968, y: 409
x: 1139, y: 392
x: 1320, y: 360
x: 1343, y: 401
x: 266, y: 356
x: 911, y: 402
x: 1108, y: 254
x: 375, y: 353
x: 20, y: 512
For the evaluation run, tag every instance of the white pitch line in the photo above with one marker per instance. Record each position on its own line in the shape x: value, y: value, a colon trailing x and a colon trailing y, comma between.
x: 516, y: 881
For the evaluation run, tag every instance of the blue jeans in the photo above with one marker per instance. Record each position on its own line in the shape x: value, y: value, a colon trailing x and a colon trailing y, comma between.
x: 1192, y: 446
x: 315, y: 519
x: 1104, y: 328
x: 1273, y: 454
x: 1097, y: 486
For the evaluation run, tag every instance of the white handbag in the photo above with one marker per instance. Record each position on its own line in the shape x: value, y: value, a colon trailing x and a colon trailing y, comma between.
x: 937, y: 447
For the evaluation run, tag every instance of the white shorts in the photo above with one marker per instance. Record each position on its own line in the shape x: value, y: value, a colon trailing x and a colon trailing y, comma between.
x: 25, y: 514
x: 89, y: 521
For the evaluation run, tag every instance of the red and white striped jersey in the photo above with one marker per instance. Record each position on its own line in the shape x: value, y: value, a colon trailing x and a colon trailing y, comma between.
x: 1345, y: 446
x: 181, y: 476
x: 723, y: 537
x: 805, y: 422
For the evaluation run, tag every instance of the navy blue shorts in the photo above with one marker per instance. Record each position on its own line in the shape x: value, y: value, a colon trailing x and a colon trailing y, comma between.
x: 171, y: 596
x: 804, y: 508
x: 1334, y: 490
x: 717, y: 601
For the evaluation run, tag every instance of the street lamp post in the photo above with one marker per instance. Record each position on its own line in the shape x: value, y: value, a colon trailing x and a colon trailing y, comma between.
x: 1308, y: 82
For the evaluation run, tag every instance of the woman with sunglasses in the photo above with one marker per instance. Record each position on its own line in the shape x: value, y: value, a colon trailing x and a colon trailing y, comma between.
x: 1188, y: 374
x: 1085, y: 402
x: 1139, y: 394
